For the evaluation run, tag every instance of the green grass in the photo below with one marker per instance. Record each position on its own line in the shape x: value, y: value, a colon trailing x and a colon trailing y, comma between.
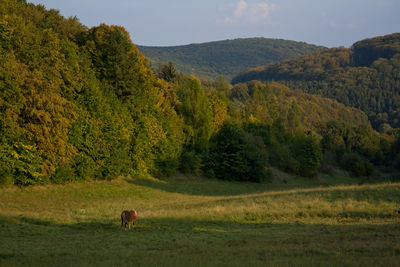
x: 200, y: 222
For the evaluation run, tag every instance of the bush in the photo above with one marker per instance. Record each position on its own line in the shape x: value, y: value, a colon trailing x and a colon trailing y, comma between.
x: 62, y: 175
x: 166, y: 167
x: 190, y: 162
x: 356, y: 165
x: 328, y: 162
x: 284, y: 159
x: 209, y: 173
x: 6, y: 178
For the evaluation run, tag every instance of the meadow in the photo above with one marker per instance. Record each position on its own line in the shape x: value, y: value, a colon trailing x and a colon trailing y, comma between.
x: 186, y: 221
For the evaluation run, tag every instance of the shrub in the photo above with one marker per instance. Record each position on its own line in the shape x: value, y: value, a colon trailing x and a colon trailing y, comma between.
x: 5, y: 177
x: 209, y: 173
x: 166, y: 167
x: 62, y: 175
x: 356, y: 165
x: 284, y: 159
x: 190, y: 162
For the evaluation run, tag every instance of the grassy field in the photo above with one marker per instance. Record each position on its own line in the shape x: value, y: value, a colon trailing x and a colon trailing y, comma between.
x: 200, y: 222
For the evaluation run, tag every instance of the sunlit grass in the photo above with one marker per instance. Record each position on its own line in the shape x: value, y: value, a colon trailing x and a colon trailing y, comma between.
x: 193, y: 221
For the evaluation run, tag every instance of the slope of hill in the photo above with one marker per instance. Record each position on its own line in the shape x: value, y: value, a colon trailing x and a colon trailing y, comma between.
x: 266, y: 101
x: 228, y: 57
x: 69, y: 98
x: 79, y: 104
x: 367, y: 76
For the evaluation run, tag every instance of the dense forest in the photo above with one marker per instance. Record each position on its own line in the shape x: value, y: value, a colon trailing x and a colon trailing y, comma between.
x: 226, y: 58
x: 80, y: 103
x: 366, y: 76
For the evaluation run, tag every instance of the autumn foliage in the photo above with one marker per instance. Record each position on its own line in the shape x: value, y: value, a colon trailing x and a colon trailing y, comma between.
x: 80, y: 104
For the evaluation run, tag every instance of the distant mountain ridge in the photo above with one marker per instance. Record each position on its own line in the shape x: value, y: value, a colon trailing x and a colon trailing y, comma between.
x: 365, y: 76
x: 228, y: 57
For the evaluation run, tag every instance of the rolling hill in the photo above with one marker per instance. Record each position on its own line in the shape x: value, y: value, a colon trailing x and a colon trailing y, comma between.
x: 228, y: 57
x: 365, y: 76
x: 80, y: 103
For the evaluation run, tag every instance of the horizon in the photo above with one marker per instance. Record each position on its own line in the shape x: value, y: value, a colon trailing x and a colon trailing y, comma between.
x: 233, y: 39
x: 177, y: 23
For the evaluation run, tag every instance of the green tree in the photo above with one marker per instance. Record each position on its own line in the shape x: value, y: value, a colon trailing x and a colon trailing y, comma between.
x: 237, y: 155
x: 118, y: 63
x: 167, y: 72
x: 196, y: 110
x: 308, y: 154
x: 293, y: 117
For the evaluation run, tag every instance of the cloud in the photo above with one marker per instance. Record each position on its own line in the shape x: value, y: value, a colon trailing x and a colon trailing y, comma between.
x: 240, y: 9
x: 250, y: 12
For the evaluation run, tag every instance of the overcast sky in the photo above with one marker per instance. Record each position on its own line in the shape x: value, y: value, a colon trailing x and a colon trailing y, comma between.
x: 178, y: 22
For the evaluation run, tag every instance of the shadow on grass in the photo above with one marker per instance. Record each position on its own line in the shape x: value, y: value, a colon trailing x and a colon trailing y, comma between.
x: 203, y: 186
x: 23, y: 221
x: 191, y: 225
x: 244, y: 190
x: 104, y: 243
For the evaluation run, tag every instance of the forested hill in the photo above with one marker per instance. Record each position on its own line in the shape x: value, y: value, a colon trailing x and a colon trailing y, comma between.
x: 228, y: 57
x: 80, y: 103
x: 366, y: 76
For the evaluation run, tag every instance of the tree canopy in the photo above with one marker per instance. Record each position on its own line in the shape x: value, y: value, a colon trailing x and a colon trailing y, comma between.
x: 80, y: 103
x: 367, y: 77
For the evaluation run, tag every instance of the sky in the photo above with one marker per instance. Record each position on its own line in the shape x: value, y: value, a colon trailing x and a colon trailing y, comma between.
x: 330, y: 23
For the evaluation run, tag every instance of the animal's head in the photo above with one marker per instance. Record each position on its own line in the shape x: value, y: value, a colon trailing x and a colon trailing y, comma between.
x: 134, y: 212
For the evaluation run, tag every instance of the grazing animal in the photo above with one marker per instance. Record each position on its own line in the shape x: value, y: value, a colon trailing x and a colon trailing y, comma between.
x: 128, y: 217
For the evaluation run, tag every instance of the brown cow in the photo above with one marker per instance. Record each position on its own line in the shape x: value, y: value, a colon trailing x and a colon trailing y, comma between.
x: 128, y: 217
